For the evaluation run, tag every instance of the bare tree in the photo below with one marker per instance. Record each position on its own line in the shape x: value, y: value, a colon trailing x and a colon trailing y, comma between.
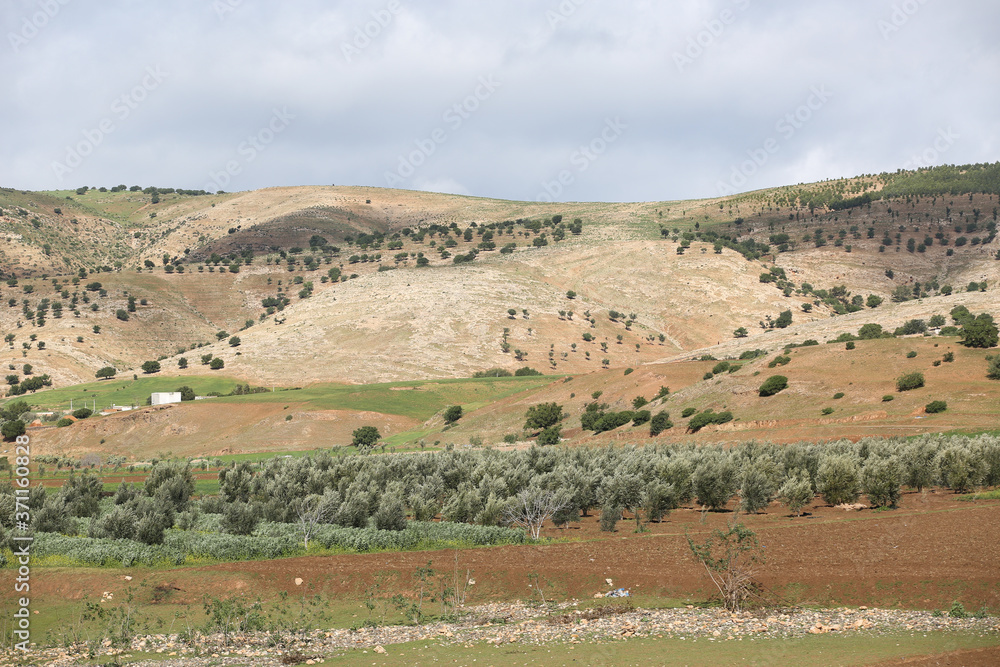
x: 309, y: 511
x: 531, y: 508
x: 731, y: 560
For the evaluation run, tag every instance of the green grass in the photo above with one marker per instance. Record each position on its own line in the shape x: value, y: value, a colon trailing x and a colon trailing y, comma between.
x: 124, y: 390
x: 417, y: 400
x: 810, y: 651
x: 982, y: 495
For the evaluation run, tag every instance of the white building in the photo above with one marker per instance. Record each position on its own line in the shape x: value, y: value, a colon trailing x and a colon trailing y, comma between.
x: 162, y: 397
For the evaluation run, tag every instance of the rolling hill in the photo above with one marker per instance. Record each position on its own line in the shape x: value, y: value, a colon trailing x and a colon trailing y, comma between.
x: 366, y: 285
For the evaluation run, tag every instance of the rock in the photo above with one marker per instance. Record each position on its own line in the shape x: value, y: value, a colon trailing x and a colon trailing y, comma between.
x: 380, y: 649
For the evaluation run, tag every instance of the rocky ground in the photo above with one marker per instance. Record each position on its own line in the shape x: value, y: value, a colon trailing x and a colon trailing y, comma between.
x: 505, y: 624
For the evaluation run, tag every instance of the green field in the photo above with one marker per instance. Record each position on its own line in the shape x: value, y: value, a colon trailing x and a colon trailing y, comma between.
x: 124, y: 391
x: 811, y: 651
x: 418, y: 400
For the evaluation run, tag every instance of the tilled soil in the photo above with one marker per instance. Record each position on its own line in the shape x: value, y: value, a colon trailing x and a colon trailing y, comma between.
x: 923, y: 559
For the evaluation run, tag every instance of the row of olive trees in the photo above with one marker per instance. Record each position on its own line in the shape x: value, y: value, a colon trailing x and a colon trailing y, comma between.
x: 525, y: 488
x: 138, y: 513
x: 647, y: 483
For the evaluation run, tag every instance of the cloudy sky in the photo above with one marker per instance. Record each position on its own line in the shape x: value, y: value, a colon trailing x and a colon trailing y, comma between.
x: 630, y: 100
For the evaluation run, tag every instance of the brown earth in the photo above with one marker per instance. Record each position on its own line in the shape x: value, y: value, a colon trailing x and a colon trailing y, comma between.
x: 929, y: 553
x: 977, y: 657
x: 209, y: 428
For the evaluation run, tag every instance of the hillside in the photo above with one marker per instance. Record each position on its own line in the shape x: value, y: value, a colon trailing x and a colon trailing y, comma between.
x: 117, y: 278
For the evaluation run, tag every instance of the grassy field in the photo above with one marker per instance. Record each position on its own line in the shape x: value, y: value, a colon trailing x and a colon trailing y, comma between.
x: 124, y: 391
x: 419, y: 400
x: 812, y: 651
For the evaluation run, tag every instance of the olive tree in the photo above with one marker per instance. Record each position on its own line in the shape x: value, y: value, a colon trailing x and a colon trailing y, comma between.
x: 881, y: 481
x: 839, y: 479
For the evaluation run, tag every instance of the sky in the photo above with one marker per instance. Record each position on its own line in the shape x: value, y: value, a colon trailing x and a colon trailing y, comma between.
x: 550, y: 100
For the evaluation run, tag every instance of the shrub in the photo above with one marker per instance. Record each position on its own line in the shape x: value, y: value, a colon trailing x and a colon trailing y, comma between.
x: 525, y: 372
x: 870, y: 331
x: 687, y: 412
x: 641, y: 417
x: 993, y: 369
x: 493, y: 373
x: 543, y: 415
x: 12, y: 429
x: 909, y: 381
x: 849, y: 345
x: 550, y: 436
x: 720, y: 367
x: 887, y: 398
x: 773, y: 385
x: 82, y: 413
x: 779, y: 361
x: 839, y: 394
x: 65, y: 421
x: 708, y: 417
x: 911, y: 354
x: 453, y: 414
x: 149, y: 367
x: 935, y: 407
x: 216, y: 364
x: 659, y: 423
x: 827, y: 411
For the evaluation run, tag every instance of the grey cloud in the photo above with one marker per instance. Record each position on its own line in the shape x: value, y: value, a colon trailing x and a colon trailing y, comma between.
x: 371, y: 82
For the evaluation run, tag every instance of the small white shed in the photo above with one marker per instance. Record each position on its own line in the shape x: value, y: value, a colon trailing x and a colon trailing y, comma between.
x: 162, y: 397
